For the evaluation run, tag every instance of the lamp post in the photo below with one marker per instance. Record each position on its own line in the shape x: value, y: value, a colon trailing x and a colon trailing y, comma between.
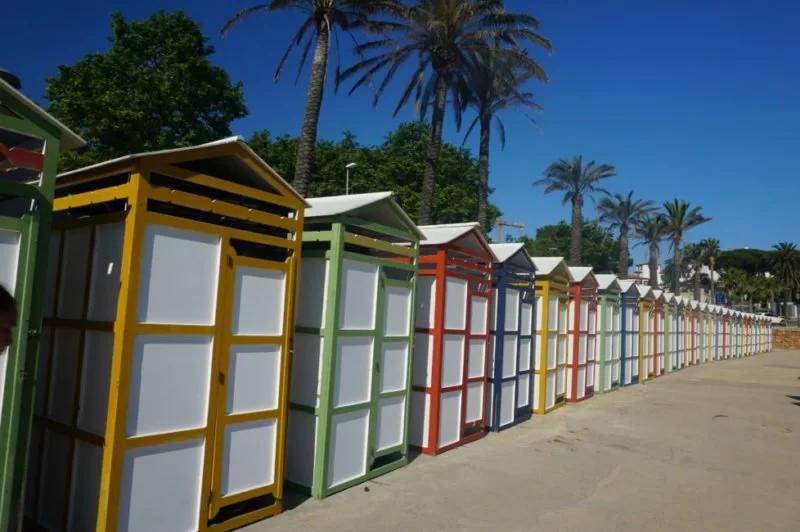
x: 347, y: 181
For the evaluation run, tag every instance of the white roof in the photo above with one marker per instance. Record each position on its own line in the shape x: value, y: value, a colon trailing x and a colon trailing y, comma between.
x: 441, y: 234
x: 69, y: 139
x: 643, y: 290
x: 704, y: 307
x: 339, y: 205
x: 579, y: 273
x: 513, y: 251
x: 669, y: 297
x: 658, y: 293
x: 221, y: 142
x: 626, y: 284
x: 548, y: 265
x: 607, y: 281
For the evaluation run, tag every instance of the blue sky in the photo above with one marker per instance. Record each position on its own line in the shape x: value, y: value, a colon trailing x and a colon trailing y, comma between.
x: 690, y: 99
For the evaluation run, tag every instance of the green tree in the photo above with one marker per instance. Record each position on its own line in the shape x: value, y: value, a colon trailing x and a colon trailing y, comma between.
x: 437, y: 36
x: 155, y: 88
x: 786, y: 267
x: 601, y: 250
x: 623, y: 213
x: 681, y: 217
x: 576, y: 181
x: 651, y: 230
x: 752, y: 261
x: 323, y: 20
x: 733, y: 281
x: 694, y: 257
x: 711, y: 251
x: 493, y: 83
x: 397, y: 164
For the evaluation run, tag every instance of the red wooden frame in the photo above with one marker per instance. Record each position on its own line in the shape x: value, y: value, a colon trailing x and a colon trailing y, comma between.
x: 584, y: 291
x: 445, y: 258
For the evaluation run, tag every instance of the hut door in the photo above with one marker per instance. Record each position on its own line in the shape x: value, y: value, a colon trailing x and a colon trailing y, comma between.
x: 591, y: 346
x: 251, y: 361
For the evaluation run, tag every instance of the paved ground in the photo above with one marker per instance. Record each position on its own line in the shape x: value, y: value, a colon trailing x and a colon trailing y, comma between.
x: 716, y: 447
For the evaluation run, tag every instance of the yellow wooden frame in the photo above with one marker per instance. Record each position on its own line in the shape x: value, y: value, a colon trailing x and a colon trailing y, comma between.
x: 546, y: 287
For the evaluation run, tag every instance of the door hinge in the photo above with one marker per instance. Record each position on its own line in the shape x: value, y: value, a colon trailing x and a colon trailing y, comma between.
x: 221, y: 378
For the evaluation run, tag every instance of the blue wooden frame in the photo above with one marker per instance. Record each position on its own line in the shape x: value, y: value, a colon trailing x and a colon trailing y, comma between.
x: 505, y: 276
x: 628, y: 298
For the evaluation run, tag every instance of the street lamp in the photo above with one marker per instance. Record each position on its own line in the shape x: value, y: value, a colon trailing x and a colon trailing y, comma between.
x: 347, y: 182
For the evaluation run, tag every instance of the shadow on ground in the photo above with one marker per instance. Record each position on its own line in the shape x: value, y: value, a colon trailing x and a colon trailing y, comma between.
x: 795, y: 398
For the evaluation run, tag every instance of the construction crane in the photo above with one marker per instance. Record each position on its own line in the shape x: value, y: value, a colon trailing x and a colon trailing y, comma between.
x: 502, y: 223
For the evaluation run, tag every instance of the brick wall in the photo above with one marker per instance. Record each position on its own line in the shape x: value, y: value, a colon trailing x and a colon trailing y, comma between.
x: 785, y: 338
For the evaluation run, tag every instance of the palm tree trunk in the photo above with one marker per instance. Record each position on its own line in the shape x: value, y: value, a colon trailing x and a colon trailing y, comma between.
x: 652, y: 265
x: 308, y: 133
x: 697, y: 282
x: 712, y: 263
x: 622, y: 267
x: 483, y: 168
x: 577, y: 227
x: 676, y: 267
x: 432, y: 156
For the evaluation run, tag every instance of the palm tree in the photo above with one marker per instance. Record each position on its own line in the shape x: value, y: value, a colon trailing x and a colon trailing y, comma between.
x: 439, y: 36
x: 681, y: 217
x: 623, y: 213
x: 711, y: 251
x: 733, y: 281
x: 576, y: 181
x: 492, y: 84
x: 323, y: 19
x: 694, y: 256
x: 651, y: 230
x: 786, y: 267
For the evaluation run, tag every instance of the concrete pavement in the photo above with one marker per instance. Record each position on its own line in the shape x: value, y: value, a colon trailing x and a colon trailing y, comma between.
x: 715, y: 447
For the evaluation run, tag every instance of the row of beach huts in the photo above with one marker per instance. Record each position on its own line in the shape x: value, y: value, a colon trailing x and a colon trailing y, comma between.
x: 194, y: 337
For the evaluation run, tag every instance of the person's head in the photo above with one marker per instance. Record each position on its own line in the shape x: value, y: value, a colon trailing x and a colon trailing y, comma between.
x: 8, y: 317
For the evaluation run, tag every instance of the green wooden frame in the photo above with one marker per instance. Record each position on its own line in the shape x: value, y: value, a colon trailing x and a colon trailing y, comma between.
x: 335, y: 238
x: 34, y: 236
x: 606, y: 301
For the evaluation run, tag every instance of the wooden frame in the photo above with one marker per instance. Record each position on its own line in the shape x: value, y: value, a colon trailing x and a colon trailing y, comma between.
x: 630, y: 370
x: 659, y: 325
x: 583, y: 335
x: 609, y: 333
x: 646, y: 334
x: 146, y: 201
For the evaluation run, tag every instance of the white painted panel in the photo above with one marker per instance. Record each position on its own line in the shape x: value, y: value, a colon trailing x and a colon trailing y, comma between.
x: 552, y: 347
x: 352, y: 380
x: 552, y: 314
x: 493, y: 315
x: 538, y: 351
x: 562, y: 319
x: 420, y: 416
x: 539, y: 312
x: 512, y: 310
x: 450, y: 418
x: 582, y: 349
x: 452, y: 360
x: 477, y: 359
x: 571, y: 316
x: 254, y: 377
x: 489, y: 403
x: 73, y: 273
x: 507, y: 411
x: 50, y: 287
x: 97, y: 355
x: 248, y: 460
x: 423, y: 360
x: 570, y: 391
x: 106, y: 265
x: 312, y: 299
x: 562, y: 380
x: 474, y: 402
x: 359, y: 295
x: 41, y: 376
x: 425, y: 301
x: 571, y: 351
x: 169, y: 383
x: 590, y: 374
x: 581, y: 391
x: 536, y: 400
x: 9, y: 259
x: 258, y: 302
x: 455, y: 304
x: 64, y: 375
x: 592, y: 321
x: 584, y: 318
x: 85, y: 490
x: 397, y: 313
x: 179, y: 275
x: 54, y: 480
x: 562, y: 350
x: 391, y: 422
x: 523, y: 390
x: 550, y: 391
x: 306, y: 369
x: 526, y: 319
x: 301, y: 442
x: 348, y: 451
x: 492, y: 355
x: 509, y: 355
x: 161, y: 487
x: 524, y: 354
x: 394, y: 363
x: 478, y: 317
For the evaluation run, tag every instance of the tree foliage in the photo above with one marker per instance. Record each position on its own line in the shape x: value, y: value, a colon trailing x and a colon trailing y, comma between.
x: 155, y: 88
x: 752, y: 261
x: 397, y: 165
x: 600, y: 248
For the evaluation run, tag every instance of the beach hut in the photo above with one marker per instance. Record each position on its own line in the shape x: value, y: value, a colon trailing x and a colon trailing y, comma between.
x: 582, y: 328
x: 716, y: 313
x: 738, y: 332
x: 770, y: 337
x: 169, y: 318
x: 659, y: 324
x: 451, y: 346
x: 646, y: 333
x: 629, y: 310
x: 670, y: 335
x: 553, y: 279
x: 694, y: 333
x: 351, y: 367
x: 609, y: 350
x: 30, y: 142
x: 510, y: 389
x: 681, y: 323
x: 707, y: 332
